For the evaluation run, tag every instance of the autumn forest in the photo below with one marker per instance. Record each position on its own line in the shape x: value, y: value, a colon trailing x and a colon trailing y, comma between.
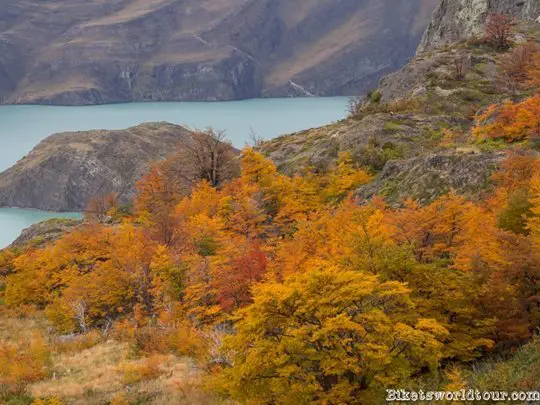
x: 292, y: 289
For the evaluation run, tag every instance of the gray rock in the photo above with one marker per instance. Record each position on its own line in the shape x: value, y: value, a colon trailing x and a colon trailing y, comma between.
x: 454, y: 20
x: 425, y: 178
x: 63, y: 172
x: 45, y: 232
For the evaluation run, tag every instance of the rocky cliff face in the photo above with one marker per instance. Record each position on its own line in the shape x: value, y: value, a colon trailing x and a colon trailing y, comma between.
x: 454, y: 20
x: 75, y: 52
x: 66, y: 170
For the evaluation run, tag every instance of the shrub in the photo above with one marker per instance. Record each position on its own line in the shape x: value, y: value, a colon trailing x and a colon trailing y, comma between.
x: 143, y: 370
x: 355, y: 105
x: 497, y: 30
x: 459, y: 67
x: 511, y: 121
x: 375, y: 96
x: 515, y: 66
x: 24, y: 362
x: 514, y: 216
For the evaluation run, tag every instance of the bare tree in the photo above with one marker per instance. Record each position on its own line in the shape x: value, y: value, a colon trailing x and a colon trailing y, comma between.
x: 498, y: 29
x: 460, y: 65
x: 208, y: 156
x: 99, y: 207
x: 514, y: 67
x: 79, y: 308
x: 355, y: 105
x: 255, y: 139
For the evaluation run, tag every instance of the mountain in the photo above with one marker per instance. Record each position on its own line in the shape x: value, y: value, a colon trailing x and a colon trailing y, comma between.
x: 416, y: 133
x: 75, y: 52
x: 64, y: 171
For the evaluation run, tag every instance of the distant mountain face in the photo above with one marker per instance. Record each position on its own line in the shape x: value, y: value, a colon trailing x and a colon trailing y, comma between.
x: 99, y: 51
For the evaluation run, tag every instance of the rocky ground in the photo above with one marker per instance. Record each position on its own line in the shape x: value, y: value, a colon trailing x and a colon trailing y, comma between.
x: 45, y: 232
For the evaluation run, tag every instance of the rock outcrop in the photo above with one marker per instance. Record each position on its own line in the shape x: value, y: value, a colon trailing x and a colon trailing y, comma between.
x: 435, y: 73
x: 46, y: 232
x: 413, y: 132
x: 74, y: 52
x: 454, y: 20
x: 66, y: 170
x: 427, y: 177
x: 372, y: 141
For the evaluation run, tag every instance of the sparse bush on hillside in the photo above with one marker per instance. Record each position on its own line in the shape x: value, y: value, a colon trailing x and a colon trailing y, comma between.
x: 374, y: 96
x: 354, y: 105
x: 497, y: 30
x: 460, y: 65
x: 514, y: 67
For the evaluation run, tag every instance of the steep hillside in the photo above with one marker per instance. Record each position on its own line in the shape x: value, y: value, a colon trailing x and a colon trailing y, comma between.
x: 66, y: 170
x: 88, y: 52
x: 414, y: 131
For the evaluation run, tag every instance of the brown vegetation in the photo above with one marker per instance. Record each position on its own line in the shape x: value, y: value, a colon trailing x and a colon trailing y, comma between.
x: 498, y: 29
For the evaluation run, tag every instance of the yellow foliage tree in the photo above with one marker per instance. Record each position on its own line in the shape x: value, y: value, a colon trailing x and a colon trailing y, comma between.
x: 327, y: 336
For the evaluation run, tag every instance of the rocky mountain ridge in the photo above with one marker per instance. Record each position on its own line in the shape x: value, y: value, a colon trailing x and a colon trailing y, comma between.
x: 75, y: 52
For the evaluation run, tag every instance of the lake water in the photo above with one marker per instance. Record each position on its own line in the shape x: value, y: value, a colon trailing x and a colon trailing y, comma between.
x: 23, y: 127
x: 14, y: 220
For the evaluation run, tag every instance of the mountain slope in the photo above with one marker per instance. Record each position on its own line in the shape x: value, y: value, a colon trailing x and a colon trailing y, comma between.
x: 416, y: 134
x: 95, y: 51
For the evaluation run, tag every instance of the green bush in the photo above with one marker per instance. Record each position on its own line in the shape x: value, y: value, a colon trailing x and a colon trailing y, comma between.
x: 374, y: 96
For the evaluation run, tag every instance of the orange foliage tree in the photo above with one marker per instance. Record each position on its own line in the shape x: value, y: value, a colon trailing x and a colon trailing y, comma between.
x: 511, y: 121
x: 313, y: 282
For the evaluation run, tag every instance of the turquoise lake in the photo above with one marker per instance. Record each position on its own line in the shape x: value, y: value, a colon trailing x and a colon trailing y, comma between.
x: 23, y: 127
x: 14, y: 220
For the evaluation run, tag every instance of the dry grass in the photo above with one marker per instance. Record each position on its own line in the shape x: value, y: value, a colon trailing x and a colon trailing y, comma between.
x: 88, y: 370
x: 19, y: 329
x: 90, y: 373
x: 149, y: 368
x: 106, y: 372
